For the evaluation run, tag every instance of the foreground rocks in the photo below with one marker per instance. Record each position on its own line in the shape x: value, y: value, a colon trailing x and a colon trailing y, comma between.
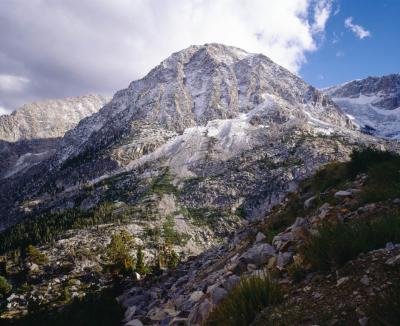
x: 187, y: 295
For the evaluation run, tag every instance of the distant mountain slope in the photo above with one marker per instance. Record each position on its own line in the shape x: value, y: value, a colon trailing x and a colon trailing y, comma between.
x: 31, y: 134
x: 373, y: 103
x: 48, y: 119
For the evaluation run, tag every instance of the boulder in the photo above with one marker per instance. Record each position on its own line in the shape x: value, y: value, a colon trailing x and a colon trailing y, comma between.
x: 198, y: 315
x: 365, y: 280
x: 343, y: 193
x: 196, y: 296
x: 271, y: 263
x: 323, y: 211
x: 260, y: 237
x: 134, y: 322
x: 309, y: 203
x: 258, y: 254
x: 394, y: 261
x: 136, y: 276
x: 33, y: 268
x: 284, y: 259
x: 129, y: 313
x: 342, y: 280
x: 231, y: 282
x: 218, y: 294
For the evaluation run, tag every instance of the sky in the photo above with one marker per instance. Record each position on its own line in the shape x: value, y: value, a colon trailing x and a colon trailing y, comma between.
x: 345, y: 55
x: 56, y: 49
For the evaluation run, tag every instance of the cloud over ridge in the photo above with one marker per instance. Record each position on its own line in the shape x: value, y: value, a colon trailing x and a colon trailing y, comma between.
x: 75, y: 47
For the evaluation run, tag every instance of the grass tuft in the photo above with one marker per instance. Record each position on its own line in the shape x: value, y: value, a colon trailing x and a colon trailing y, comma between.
x: 245, y: 301
x: 334, y: 245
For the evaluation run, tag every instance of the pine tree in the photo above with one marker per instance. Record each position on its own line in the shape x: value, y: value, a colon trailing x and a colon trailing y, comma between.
x: 140, y: 264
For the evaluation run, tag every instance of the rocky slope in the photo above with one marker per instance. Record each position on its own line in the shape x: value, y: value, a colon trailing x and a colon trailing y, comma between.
x: 373, y: 103
x: 212, y: 138
x: 344, y: 293
x: 30, y: 134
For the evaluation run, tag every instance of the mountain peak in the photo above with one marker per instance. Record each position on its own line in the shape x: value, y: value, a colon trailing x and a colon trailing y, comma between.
x: 199, y: 84
x: 219, y: 52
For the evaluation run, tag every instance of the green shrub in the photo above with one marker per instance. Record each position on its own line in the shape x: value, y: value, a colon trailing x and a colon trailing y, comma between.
x: 334, y: 245
x: 34, y: 256
x: 363, y: 159
x: 118, y: 253
x: 5, y: 287
x: 171, y: 236
x: 48, y: 226
x: 245, y: 301
x: 173, y: 259
x: 204, y: 216
x: 166, y: 256
x: 163, y: 184
x: 383, y: 182
x: 330, y: 175
x: 141, y: 267
x: 383, y: 170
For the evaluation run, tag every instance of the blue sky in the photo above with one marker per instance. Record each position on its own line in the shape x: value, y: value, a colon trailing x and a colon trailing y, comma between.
x: 342, y: 56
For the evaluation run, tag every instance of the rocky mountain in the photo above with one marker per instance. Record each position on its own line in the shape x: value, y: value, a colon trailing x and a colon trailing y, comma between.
x: 373, y: 103
x: 30, y: 134
x: 191, y: 88
x: 202, y: 113
x: 210, y: 140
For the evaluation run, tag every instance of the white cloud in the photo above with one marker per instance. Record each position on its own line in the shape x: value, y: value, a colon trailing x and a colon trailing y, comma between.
x: 360, y: 31
x: 81, y: 46
x: 12, y: 84
x: 337, y: 10
x: 340, y: 54
x: 322, y: 12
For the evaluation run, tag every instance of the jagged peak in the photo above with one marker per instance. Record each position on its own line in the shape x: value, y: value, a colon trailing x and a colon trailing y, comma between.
x: 212, y: 52
x: 219, y: 52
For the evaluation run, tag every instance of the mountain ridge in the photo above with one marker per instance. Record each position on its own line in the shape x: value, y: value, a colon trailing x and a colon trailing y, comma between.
x: 48, y: 118
x: 373, y: 103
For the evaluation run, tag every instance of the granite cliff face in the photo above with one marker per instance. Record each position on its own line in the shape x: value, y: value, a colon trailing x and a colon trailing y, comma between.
x: 373, y: 103
x: 31, y: 134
